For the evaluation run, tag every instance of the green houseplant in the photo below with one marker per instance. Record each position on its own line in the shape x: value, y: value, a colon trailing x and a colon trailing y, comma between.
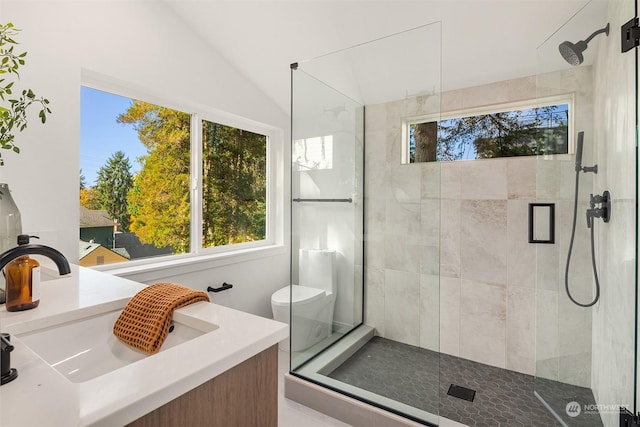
x: 13, y: 119
x: 13, y: 109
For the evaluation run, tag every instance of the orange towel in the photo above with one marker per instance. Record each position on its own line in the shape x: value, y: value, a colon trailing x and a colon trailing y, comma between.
x: 145, y: 320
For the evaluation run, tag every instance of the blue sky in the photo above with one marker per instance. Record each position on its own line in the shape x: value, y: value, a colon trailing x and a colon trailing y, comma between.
x: 558, y: 115
x: 101, y: 135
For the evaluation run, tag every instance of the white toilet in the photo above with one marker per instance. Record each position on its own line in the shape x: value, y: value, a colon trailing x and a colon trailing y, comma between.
x: 313, y: 299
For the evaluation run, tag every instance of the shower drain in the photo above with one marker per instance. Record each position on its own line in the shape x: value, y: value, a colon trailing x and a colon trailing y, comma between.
x: 461, y: 392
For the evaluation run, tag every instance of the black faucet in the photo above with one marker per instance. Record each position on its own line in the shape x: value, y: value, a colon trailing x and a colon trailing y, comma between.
x: 22, y: 250
x: 7, y: 374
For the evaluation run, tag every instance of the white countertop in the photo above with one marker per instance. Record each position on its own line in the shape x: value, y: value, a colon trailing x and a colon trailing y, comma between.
x: 41, y: 396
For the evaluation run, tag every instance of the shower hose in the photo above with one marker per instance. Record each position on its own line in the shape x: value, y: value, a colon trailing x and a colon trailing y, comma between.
x: 593, y: 255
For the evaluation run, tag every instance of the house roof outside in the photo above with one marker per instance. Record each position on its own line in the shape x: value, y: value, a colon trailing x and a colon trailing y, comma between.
x: 122, y: 251
x: 136, y: 249
x: 95, y: 218
x: 87, y: 247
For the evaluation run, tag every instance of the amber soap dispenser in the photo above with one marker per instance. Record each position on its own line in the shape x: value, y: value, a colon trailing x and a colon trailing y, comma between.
x: 23, y: 281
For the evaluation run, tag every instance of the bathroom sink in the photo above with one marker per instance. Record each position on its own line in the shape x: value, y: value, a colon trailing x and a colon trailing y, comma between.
x: 49, y: 274
x: 86, y: 348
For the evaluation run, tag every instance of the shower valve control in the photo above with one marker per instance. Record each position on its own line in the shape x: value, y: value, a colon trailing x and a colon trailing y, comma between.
x: 603, y: 211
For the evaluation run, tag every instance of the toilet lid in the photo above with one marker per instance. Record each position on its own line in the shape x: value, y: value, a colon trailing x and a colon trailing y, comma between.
x: 299, y: 294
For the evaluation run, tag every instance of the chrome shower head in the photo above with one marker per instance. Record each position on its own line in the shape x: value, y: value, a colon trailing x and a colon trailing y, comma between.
x: 572, y: 52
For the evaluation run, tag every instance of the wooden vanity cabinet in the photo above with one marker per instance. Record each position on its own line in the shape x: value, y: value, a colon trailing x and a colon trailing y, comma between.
x: 245, y: 395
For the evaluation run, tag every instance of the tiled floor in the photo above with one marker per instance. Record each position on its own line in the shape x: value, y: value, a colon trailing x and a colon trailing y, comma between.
x: 421, y: 378
x: 292, y: 414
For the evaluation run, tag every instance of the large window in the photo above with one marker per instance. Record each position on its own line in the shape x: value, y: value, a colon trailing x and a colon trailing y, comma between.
x: 496, y: 131
x: 234, y: 188
x: 141, y: 195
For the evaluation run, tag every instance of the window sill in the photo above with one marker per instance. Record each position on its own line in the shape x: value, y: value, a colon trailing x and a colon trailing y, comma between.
x: 153, y: 269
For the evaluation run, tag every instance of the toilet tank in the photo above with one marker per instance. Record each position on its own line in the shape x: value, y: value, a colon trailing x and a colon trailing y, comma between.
x: 317, y: 269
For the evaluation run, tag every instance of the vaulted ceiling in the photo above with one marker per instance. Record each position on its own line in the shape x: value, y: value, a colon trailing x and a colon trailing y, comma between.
x: 482, y: 41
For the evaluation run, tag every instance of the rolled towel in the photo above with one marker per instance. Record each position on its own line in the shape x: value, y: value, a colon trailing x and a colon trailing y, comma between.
x: 145, y: 320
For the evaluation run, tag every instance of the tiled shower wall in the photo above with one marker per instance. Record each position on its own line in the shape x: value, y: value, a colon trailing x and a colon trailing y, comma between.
x: 449, y: 266
x: 563, y: 337
x: 613, y: 318
x: 487, y: 266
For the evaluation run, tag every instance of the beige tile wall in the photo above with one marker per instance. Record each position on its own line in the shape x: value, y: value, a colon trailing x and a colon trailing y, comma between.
x: 491, y: 261
x: 449, y: 263
x: 614, y: 323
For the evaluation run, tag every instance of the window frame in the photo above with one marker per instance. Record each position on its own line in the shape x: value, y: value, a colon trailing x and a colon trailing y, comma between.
x: 274, y: 227
x: 196, y: 226
x: 502, y: 107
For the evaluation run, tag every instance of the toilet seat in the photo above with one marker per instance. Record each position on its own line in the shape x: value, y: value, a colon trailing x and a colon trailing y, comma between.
x: 299, y: 294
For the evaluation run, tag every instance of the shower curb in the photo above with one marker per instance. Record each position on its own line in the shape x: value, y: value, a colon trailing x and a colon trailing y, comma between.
x: 339, y: 406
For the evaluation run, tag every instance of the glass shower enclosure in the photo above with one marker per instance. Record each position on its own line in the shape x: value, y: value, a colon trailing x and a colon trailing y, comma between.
x: 440, y: 242
x: 586, y: 284
x: 327, y: 216
x: 381, y: 224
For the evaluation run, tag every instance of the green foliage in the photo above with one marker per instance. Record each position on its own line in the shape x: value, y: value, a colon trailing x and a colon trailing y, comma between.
x: 89, y: 198
x: 504, y: 134
x: 159, y: 201
x: 234, y: 185
x: 112, y: 186
x: 234, y: 181
x: 529, y: 132
x: 13, y: 117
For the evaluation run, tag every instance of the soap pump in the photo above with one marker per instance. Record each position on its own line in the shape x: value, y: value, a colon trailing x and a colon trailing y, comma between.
x: 23, y: 280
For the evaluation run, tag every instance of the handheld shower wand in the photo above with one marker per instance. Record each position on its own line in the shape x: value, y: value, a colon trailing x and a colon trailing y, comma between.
x: 603, y: 212
x: 579, y: 151
x: 579, y: 147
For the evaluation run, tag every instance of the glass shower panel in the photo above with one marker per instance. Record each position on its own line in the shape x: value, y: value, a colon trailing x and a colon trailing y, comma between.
x: 327, y: 216
x: 375, y: 91
x: 585, y: 279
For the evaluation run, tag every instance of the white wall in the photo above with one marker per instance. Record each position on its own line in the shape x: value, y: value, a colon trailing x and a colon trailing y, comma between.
x: 146, y: 46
